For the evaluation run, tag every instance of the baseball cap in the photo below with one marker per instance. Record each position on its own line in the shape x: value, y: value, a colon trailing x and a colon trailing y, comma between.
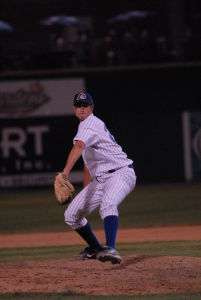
x: 83, y: 97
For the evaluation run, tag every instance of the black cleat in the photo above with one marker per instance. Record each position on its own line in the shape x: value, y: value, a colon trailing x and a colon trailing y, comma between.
x: 88, y: 253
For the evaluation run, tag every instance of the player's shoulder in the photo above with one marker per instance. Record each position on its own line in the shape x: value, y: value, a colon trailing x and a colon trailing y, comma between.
x: 92, y: 123
x: 98, y: 123
x: 97, y: 119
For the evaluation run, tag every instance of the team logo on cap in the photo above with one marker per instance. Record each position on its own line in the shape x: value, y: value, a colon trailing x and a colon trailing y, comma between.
x: 81, y: 96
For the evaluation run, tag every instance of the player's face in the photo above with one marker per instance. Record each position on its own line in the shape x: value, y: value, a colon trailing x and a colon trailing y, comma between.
x: 83, y: 112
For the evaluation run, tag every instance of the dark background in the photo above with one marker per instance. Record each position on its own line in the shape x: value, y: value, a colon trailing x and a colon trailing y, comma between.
x: 179, y: 21
x: 141, y: 101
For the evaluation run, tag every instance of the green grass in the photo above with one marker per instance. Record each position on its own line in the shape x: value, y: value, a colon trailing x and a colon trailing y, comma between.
x: 30, y: 210
x: 156, y: 205
x: 149, y: 205
x: 162, y: 248
x: 73, y: 296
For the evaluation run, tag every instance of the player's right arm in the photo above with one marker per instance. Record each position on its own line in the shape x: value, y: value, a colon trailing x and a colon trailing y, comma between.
x: 73, y: 157
x: 87, y: 177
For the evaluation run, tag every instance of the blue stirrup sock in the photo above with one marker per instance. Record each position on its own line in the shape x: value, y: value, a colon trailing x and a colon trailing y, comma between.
x: 111, y: 226
x: 87, y: 234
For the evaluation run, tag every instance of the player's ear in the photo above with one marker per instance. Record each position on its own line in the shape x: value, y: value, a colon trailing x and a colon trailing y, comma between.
x: 92, y: 107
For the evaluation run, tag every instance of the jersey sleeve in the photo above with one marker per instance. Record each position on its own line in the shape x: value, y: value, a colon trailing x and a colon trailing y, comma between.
x: 86, y: 135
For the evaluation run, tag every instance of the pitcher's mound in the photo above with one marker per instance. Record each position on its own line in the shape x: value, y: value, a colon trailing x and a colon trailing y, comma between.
x: 137, y: 274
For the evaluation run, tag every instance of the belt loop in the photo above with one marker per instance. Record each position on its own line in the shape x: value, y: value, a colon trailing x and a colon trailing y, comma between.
x: 111, y: 171
x: 114, y: 170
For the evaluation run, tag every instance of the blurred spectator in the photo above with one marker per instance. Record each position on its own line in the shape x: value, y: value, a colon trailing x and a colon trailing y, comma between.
x: 57, y: 42
x: 82, y: 46
x: 123, y: 43
x: 60, y: 43
x: 111, y: 46
x: 130, y: 45
x: 97, y: 51
x: 162, y: 47
x: 148, y: 47
x: 186, y: 41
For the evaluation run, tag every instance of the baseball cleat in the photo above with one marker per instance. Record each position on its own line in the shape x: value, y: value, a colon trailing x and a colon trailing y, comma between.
x: 88, y: 253
x: 109, y: 254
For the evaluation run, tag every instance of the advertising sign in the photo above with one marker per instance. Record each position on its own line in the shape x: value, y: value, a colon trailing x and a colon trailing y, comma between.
x: 192, y: 144
x: 36, y: 130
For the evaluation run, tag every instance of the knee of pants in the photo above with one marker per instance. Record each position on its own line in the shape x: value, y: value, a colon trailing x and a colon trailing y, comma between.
x: 108, y: 210
x: 73, y: 221
x: 70, y: 219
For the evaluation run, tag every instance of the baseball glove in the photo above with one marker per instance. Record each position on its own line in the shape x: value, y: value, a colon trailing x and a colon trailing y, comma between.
x: 63, y: 189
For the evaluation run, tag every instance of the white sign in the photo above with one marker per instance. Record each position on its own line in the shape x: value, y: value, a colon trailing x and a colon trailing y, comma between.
x: 192, y: 144
x: 36, y: 98
x: 31, y: 114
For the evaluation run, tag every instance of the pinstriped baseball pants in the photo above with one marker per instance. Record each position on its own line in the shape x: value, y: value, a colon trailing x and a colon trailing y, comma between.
x: 105, y: 192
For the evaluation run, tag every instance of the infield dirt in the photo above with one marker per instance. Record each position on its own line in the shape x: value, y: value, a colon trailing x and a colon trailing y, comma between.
x: 137, y: 274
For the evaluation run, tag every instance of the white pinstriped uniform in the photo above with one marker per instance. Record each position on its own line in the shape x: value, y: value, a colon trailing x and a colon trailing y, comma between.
x: 106, y: 190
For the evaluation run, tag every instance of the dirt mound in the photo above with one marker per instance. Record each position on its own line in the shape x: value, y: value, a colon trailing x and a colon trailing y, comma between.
x: 136, y: 274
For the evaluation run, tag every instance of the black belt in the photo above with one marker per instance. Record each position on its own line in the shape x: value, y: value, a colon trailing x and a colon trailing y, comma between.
x: 113, y: 170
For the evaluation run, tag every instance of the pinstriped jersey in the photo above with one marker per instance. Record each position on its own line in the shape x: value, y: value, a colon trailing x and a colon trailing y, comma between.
x: 101, y: 153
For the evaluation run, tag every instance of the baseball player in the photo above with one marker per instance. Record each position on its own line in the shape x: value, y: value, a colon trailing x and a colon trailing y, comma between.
x: 108, y: 178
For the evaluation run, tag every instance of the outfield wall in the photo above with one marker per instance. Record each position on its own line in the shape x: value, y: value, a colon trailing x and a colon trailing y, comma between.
x: 141, y: 106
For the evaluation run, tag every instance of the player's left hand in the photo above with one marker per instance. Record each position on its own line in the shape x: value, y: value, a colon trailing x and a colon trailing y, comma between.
x: 63, y: 189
